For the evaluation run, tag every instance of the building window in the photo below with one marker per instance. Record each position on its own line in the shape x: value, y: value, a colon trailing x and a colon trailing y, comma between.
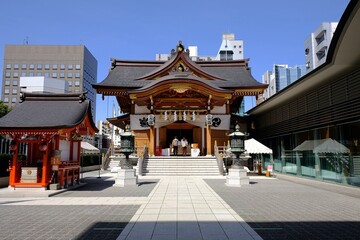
x: 14, y: 91
x: 23, y: 66
x: 47, y: 66
x: 7, y: 74
x: 77, y: 75
x: 23, y: 74
x: 13, y: 100
x: 6, y: 91
x: 31, y: 66
x: 16, y: 74
x: 16, y: 66
x: 54, y: 66
x: 39, y: 66
x: 70, y: 66
x: 54, y: 74
x: 77, y: 66
x: 31, y: 74
x: 70, y: 83
x: 62, y: 66
x: 8, y: 66
x: 7, y: 83
x: 77, y: 83
x: 69, y: 75
x: 62, y: 74
x: 38, y: 74
x: 47, y: 74
x: 6, y: 99
x: 15, y: 83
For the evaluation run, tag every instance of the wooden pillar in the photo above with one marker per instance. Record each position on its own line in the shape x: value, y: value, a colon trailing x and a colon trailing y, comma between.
x: 208, y: 140
x: 13, y: 171
x: 152, y: 141
x: 45, y: 166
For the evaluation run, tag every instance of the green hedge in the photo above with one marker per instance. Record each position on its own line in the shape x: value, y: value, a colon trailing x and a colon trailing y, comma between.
x: 90, y: 160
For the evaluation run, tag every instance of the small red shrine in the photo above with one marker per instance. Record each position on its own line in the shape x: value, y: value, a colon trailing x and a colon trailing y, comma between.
x: 48, y: 129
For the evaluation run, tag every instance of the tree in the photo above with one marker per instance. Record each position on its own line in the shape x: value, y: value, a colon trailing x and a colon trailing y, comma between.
x: 4, y: 109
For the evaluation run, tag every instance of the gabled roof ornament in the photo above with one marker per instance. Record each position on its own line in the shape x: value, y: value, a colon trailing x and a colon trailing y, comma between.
x: 180, y: 47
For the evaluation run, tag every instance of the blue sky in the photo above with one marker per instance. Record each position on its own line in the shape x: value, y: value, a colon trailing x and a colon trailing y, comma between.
x: 273, y: 31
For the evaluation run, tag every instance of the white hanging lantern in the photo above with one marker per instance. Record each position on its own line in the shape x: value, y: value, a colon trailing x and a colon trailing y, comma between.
x: 184, y: 116
x: 165, y: 116
x: 193, y: 116
x: 175, y: 116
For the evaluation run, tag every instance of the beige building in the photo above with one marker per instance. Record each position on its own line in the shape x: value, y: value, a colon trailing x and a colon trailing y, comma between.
x: 74, y: 64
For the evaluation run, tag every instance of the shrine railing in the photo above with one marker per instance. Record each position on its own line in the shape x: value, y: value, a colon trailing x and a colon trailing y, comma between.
x: 219, y: 159
x: 142, y: 156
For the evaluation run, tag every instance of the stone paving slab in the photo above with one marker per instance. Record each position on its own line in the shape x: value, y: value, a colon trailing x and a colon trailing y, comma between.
x: 64, y: 222
x: 295, y: 208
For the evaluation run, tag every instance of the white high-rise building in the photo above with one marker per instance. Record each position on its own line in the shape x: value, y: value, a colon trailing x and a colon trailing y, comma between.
x: 317, y: 44
x: 230, y: 49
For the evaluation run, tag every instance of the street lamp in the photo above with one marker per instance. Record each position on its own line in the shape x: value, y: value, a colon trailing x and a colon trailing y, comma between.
x: 127, y: 146
x: 237, y: 144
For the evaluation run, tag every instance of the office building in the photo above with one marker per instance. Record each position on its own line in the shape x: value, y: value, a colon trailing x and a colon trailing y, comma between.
x: 317, y: 45
x: 280, y: 77
x: 313, y: 125
x: 74, y: 64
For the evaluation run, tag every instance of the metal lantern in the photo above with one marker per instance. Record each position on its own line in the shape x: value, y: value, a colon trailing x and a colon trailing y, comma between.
x: 237, y: 144
x: 127, y: 146
x: 208, y: 119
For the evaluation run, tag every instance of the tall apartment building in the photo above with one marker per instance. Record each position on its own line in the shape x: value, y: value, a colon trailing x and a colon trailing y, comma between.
x: 230, y: 49
x: 74, y: 64
x: 317, y: 45
x: 280, y: 77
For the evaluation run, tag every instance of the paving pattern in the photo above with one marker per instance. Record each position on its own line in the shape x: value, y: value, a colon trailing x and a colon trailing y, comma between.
x: 292, y: 208
x: 184, y: 208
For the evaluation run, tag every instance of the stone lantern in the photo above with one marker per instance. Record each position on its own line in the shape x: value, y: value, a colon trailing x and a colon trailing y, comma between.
x: 126, y: 176
x: 237, y: 175
x: 127, y: 146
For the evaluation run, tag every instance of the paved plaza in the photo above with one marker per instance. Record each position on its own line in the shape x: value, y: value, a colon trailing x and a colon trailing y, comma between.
x: 182, y: 207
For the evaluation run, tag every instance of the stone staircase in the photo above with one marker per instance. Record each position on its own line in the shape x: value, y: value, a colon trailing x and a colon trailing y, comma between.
x: 180, y: 166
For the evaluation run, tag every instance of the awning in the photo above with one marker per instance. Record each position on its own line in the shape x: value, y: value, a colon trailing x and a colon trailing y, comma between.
x: 327, y: 145
x: 88, y: 148
x: 254, y: 147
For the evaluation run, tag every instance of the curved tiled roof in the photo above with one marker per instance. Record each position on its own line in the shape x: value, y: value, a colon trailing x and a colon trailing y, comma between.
x: 45, y: 111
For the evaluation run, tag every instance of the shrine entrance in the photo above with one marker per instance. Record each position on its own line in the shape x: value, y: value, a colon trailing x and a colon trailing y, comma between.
x: 180, y: 129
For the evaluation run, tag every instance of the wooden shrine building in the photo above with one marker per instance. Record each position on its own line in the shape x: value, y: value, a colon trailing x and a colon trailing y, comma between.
x: 50, y: 127
x: 179, y: 97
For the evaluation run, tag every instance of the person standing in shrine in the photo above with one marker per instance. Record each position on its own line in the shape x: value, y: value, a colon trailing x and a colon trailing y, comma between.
x: 175, y: 144
x: 184, y: 144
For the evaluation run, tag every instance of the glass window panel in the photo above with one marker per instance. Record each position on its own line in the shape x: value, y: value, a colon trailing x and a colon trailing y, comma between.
x: 31, y: 74
x: 54, y: 66
x: 31, y: 66
x: 13, y: 100
x: 77, y: 83
x: 54, y: 74
x: 77, y: 66
x: 70, y: 83
x: 47, y: 74
x: 7, y: 74
x: 62, y: 66
x: 14, y: 91
x: 69, y: 75
x: 70, y: 66
x: 7, y: 83
x: 16, y: 74
x: 7, y: 91
x: 38, y: 74
x: 77, y: 75
x: 6, y: 99
x: 23, y: 74
x: 16, y: 66
x: 15, y: 83
x: 62, y: 74
x: 47, y: 66
x: 8, y: 66
x: 23, y: 66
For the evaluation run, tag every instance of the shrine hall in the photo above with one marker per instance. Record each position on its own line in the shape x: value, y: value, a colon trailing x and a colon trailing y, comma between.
x: 49, y: 127
x: 180, y: 97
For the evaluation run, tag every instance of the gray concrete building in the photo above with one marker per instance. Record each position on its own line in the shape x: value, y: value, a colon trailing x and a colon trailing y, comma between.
x: 72, y: 63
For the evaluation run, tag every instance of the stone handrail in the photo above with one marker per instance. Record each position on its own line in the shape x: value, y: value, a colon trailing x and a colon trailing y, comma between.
x: 106, y: 158
x: 219, y: 160
x: 143, y: 155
